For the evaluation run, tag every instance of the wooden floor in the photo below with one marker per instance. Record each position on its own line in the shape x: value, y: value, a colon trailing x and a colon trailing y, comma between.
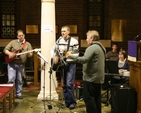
x: 30, y: 104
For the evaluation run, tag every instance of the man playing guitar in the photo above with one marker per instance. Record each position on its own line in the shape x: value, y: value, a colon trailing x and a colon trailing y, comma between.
x: 16, y: 66
x: 66, y: 43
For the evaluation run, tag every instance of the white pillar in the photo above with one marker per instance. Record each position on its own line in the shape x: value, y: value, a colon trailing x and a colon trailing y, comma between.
x: 47, y: 41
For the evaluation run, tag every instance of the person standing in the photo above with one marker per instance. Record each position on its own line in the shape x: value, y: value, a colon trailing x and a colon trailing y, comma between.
x: 93, y: 71
x: 63, y: 44
x: 113, y: 54
x: 16, y: 64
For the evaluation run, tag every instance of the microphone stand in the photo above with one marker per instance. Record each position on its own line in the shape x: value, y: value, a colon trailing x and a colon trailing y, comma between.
x: 137, y: 37
x: 62, y: 71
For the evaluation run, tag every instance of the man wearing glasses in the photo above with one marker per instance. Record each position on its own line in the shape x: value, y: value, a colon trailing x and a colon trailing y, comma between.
x: 16, y: 64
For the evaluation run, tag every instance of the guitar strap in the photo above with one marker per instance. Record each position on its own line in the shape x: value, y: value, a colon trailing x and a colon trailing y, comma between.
x: 24, y: 44
x: 68, y: 43
x: 69, y: 39
x: 101, y: 48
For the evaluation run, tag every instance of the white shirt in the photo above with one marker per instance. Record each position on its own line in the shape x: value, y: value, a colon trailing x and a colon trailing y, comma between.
x: 61, y: 47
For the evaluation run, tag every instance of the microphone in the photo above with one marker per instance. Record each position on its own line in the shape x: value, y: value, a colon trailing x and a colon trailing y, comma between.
x: 137, y: 37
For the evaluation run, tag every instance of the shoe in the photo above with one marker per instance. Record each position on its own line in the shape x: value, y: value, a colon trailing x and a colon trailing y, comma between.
x: 19, y: 97
x: 72, y: 106
x: 66, y: 105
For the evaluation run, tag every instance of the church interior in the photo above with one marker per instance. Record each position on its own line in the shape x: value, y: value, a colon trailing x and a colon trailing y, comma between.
x: 118, y: 23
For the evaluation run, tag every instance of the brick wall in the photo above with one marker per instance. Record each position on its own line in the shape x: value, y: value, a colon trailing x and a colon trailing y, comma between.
x: 74, y: 12
x: 29, y: 13
x: 68, y: 12
x: 71, y: 12
x: 123, y: 9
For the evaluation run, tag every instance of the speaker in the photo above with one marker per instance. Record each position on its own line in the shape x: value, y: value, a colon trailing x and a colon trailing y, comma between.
x: 123, y: 99
x: 79, y: 92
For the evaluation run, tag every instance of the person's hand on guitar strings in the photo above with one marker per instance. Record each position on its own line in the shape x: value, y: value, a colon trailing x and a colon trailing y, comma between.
x: 55, y: 59
x: 11, y: 54
x: 29, y: 53
x: 68, y: 54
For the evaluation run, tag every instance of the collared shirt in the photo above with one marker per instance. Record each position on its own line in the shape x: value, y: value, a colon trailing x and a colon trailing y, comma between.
x: 21, y: 42
x: 61, y: 45
x: 14, y: 46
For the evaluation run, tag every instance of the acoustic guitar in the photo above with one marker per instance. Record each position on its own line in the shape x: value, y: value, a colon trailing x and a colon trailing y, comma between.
x: 7, y: 59
x: 62, y: 60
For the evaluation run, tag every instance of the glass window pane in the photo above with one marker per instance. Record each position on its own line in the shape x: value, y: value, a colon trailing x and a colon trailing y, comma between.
x: 12, y: 29
x: 8, y: 23
x: 90, y: 18
x: 3, y: 23
x: 12, y: 17
x: 8, y: 17
x: 12, y: 11
x: 3, y: 35
x: 98, y: 18
x: 12, y: 5
x: 3, y: 11
x: 90, y: 24
x: 12, y: 35
x: 3, y: 4
x: 8, y: 35
x: 8, y: 29
x: 4, y: 29
x: 94, y: 24
x: 98, y: 24
x: 12, y: 23
x: 3, y: 17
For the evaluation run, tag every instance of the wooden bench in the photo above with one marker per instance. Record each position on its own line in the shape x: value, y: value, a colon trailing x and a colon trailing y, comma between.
x: 9, y: 91
x: 3, y: 99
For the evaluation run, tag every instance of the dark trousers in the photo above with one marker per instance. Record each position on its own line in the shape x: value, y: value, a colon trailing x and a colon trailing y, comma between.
x: 68, y: 88
x: 92, y: 97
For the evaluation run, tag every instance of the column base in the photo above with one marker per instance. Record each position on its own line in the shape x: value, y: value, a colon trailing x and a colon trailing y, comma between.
x: 48, y: 96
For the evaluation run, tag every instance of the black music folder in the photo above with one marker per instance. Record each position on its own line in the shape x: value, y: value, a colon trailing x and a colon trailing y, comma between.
x: 111, y: 67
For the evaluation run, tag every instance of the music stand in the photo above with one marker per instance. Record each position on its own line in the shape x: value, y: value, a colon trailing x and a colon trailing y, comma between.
x: 45, y: 62
x: 111, y: 68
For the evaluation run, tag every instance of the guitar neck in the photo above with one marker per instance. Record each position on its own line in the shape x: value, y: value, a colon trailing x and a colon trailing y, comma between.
x: 28, y: 52
x: 24, y: 52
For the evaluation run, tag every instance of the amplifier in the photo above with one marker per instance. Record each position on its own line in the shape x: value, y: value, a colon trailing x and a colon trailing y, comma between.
x: 123, y: 99
x: 79, y: 92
